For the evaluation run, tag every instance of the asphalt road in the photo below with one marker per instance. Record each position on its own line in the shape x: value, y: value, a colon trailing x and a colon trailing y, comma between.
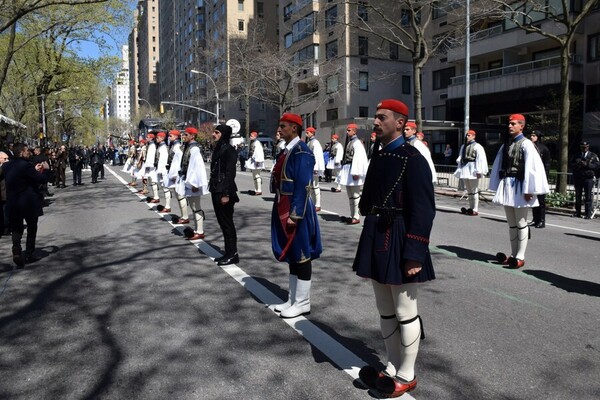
x: 122, y: 307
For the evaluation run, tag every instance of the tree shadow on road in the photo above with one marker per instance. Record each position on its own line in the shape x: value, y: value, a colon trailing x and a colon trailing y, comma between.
x: 567, y: 284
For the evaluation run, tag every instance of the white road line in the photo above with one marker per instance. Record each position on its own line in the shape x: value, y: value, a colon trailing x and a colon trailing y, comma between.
x: 504, y: 218
x: 335, y: 351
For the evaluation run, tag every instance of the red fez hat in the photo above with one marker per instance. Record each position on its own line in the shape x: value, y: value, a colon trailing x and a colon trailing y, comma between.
x: 150, y: 136
x: 420, y: 135
x: 373, y: 134
x: 293, y: 118
x: 191, y: 130
x: 518, y: 117
x: 411, y: 125
x: 311, y: 129
x: 335, y: 136
x: 143, y: 141
x: 471, y: 132
x: 174, y: 132
x: 352, y: 126
x: 161, y: 134
x: 132, y: 142
x: 393, y: 105
x: 253, y: 133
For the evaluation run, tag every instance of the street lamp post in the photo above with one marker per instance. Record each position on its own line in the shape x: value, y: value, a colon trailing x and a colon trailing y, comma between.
x: 193, y: 71
x: 149, y: 106
x: 43, y: 96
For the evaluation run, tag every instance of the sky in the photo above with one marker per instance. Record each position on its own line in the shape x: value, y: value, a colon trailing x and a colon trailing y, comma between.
x: 90, y: 50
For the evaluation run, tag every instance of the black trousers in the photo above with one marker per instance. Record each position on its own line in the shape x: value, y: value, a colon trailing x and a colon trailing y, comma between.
x: 95, y: 171
x: 224, y: 213
x: 583, y: 188
x: 539, y: 213
x: 77, y: 175
x: 17, y: 227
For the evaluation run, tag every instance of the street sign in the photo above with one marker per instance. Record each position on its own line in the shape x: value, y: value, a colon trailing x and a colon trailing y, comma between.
x: 234, y: 124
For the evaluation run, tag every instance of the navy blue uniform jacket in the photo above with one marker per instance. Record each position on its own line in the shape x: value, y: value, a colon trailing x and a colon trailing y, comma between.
x: 22, y: 198
x: 399, y: 207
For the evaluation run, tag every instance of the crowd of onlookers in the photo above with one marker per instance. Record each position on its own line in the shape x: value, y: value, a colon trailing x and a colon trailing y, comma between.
x: 26, y: 172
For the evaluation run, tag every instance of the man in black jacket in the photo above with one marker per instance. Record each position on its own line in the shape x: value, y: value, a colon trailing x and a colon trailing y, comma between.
x: 539, y: 212
x: 585, y: 166
x: 23, y: 201
x: 224, y: 191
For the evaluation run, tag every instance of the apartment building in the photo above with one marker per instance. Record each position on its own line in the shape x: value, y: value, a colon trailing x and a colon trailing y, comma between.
x: 120, y: 104
x: 516, y: 71
x: 345, y: 71
x: 147, y: 56
x: 134, y: 82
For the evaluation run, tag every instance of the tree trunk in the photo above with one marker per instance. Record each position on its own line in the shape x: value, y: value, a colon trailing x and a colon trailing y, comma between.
x: 565, y: 108
x: 418, y: 95
x: 247, y: 113
x: 9, y: 53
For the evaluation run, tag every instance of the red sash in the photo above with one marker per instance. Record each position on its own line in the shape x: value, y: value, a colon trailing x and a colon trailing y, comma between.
x: 283, y: 206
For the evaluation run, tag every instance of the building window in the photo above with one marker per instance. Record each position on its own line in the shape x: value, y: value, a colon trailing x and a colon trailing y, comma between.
x: 260, y: 9
x: 406, y: 84
x: 331, y: 16
x: 592, y: 98
x: 332, y: 84
x: 288, y: 40
x: 240, y: 5
x: 363, y: 112
x: 394, y: 51
x: 331, y: 50
x: 304, y: 27
x: 363, y: 46
x: 287, y: 11
x: 363, y: 12
x: 363, y: 81
x: 241, y: 25
x: 442, y: 77
x: 439, y: 113
x: 332, y: 114
x: 594, y: 47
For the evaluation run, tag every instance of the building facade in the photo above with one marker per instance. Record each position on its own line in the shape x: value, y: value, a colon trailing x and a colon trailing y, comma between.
x: 120, y: 102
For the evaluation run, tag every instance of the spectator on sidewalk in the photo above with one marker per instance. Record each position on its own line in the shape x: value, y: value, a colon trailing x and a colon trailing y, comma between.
x: 539, y: 212
x: 23, y: 201
x: 585, y: 166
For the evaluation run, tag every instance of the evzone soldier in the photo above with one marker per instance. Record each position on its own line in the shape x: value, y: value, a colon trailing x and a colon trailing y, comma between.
x: 354, y: 170
x: 410, y: 135
x: 162, y: 159
x: 279, y: 145
x: 472, y: 165
x: 517, y: 176
x: 255, y: 162
x: 130, y: 162
x: 399, y: 207
x: 336, y: 154
x: 295, y: 235
x: 193, y: 182
x: 170, y: 182
x: 138, y: 170
x: 150, y: 168
x: 315, y: 147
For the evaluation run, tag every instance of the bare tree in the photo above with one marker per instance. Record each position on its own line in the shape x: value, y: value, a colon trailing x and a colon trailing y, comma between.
x: 562, y: 28
x: 406, y: 24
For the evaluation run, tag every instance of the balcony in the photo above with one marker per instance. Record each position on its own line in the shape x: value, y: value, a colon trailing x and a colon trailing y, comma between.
x: 530, y: 74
